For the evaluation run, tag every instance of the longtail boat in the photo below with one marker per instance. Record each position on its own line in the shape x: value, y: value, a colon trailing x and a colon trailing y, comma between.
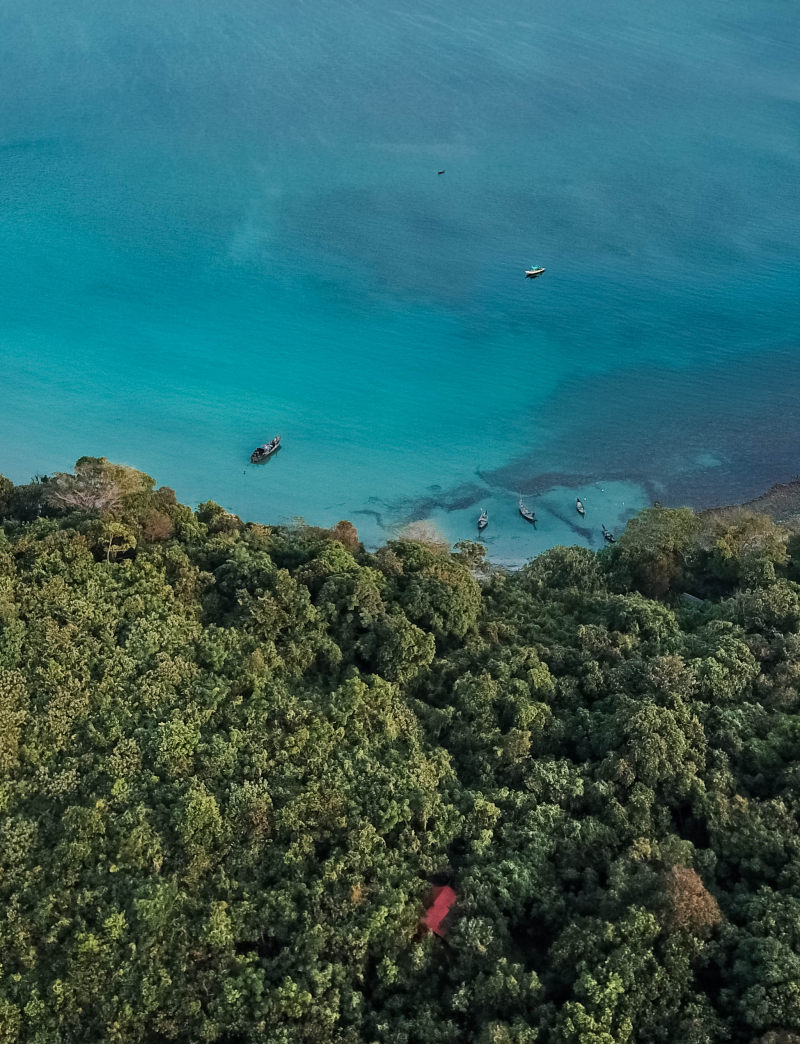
x: 262, y: 453
x: 527, y: 514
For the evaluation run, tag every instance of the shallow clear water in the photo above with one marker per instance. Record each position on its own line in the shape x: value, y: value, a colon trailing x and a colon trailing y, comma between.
x: 223, y: 221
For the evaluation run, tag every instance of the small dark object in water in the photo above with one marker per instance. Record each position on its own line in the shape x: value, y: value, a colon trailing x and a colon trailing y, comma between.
x: 609, y: 536
x: 534, y: 273
x: 529, y: 516
x: 262, y: 453
x: 579, y: 506
x: 483, y: 521
x: 440, y: 172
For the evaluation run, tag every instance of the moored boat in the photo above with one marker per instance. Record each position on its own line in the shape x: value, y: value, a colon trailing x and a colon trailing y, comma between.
x: 527, y: 514
x: 608, y: 537
x: 262, y: 453
x: 579, y: 506
x: 534, y: 272
x: 483, y: 521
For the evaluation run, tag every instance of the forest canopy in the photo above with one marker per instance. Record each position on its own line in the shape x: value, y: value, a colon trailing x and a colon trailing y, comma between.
x: 235, y: 760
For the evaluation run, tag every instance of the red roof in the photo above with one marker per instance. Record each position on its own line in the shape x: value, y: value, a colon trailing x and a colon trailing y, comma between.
x: 443, y: 899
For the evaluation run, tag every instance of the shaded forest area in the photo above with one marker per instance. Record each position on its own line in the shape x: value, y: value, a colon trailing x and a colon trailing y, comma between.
x: 235, y: 758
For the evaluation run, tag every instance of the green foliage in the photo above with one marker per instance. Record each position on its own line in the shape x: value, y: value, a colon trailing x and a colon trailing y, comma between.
x: 655, y: 553
x: 745, y: 546
x: 99, y: 487
x: 435, y: 590
x: 234, y: 758
x: 6, y: 488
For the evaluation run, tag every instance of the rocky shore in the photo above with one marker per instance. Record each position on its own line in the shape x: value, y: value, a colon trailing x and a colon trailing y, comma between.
x: 781, y: 503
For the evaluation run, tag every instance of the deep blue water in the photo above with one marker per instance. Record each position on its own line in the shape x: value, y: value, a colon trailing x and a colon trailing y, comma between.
x: 223, y: 220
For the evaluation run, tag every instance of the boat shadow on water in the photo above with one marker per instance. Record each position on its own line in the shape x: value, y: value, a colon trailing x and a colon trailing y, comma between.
x: 584, y: 532
x: 259, y: 461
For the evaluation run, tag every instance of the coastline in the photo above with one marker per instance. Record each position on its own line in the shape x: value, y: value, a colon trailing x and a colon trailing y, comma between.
x: 780, y: 502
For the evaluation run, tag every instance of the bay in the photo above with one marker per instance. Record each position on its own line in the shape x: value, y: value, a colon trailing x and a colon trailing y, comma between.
x: 224, y: 221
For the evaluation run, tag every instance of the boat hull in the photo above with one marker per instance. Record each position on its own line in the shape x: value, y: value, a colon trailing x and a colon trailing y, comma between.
x: 261, y: 457
x: 262, y: 453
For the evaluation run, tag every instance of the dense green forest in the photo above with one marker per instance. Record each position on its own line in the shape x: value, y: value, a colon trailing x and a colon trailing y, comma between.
x: 235, y: 758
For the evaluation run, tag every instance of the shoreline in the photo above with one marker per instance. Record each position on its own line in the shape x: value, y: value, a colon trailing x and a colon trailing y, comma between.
x: 780, y: 502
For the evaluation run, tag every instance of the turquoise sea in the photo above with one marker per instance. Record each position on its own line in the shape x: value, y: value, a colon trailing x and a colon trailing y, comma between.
x: 223, y: 220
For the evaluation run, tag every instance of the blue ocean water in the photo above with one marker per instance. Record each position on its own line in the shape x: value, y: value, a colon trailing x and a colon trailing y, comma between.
x: 223, y: 220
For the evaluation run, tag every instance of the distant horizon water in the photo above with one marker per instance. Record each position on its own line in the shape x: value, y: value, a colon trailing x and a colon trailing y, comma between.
x: 224, y: 222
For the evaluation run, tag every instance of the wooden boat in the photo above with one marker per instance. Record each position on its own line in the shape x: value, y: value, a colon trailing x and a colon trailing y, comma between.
x: 579, y: 506
x: 262, y: 453
x: 483, y: 521
x: 534, y: 273
x: 529, y: 516
x: 609, y: 536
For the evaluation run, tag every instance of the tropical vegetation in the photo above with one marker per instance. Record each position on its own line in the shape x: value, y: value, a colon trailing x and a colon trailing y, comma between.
x: 235, y: 758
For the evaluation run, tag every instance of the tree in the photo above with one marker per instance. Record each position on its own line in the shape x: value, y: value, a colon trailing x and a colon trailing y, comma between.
x: 435, y: 591
x: 6, y: 487
x: 744, y: 546
x: 97, y: 487
x: 690, y: 907
x: 657, y: 551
